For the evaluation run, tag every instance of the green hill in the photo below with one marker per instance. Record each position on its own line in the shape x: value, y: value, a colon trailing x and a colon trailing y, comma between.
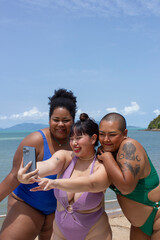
x: 155, y: 123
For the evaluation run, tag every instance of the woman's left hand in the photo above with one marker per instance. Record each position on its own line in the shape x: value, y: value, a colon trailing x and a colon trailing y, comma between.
x: 45, y: 184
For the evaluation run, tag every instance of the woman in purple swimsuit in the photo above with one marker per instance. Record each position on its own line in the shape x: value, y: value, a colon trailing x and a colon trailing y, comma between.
x: 80, y: 210
x: 30, y: 214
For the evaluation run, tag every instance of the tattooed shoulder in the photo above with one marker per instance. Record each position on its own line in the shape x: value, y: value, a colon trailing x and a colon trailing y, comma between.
x: 129, y: 152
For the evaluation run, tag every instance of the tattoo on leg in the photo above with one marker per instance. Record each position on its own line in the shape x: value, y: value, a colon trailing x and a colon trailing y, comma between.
x: 57, y: 158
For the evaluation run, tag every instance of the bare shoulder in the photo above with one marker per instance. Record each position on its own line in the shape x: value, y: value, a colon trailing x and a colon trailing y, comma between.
x: 99, y: 165
x: 132, y: 158
x: 101, y: 172
x: 131, y: 145
x: 33, y: 139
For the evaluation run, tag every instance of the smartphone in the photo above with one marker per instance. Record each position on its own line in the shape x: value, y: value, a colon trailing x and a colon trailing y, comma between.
x: 29, y: 154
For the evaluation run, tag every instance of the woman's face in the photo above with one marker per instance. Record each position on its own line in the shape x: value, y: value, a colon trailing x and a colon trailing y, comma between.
x: 83, y: 145
x: 60, y: 123
x: 110, y: 136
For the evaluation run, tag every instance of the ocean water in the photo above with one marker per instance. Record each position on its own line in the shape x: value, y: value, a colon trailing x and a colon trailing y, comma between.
x: 9, y: 142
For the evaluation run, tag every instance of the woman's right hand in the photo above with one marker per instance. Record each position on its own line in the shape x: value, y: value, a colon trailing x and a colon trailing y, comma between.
x: 27, y: 178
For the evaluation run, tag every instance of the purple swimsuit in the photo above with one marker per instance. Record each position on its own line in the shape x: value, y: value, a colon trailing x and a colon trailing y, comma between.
x: 72, y: 224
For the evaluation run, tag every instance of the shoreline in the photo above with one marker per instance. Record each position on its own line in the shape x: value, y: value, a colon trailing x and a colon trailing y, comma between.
x: 150, y: 130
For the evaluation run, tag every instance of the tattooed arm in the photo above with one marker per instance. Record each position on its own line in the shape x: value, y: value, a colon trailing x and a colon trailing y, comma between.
x: 128, y: 167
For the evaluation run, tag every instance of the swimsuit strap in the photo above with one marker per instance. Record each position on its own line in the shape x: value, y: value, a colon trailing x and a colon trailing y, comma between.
x: 47, y: 153
x: 93, y: 164
x: 42, y: 133
x: 69, y: 169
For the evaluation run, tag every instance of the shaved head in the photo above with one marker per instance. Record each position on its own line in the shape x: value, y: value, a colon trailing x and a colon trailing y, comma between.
x: 115, y: 117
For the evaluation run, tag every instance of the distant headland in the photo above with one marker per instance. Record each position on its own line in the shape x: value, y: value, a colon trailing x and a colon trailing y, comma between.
x: 24, y: 127
x: 154, y: 125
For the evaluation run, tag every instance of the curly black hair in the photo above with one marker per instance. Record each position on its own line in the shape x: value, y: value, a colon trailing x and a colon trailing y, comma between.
x: 63, y: 98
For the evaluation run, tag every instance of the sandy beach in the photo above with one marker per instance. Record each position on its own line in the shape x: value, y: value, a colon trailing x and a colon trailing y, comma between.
x: 120, y: 227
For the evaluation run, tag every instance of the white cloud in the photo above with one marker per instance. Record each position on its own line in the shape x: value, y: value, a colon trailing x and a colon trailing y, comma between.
x: 3, y: 117
x: 113, y: 109
x: 32, y: 114
x: 96, y: 7
x: 157, y: 112
x: 134, y: 107
x: 131, y: 109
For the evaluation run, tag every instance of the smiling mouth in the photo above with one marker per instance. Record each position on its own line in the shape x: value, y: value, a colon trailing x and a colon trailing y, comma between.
x: 108, y: 145
x: 76, y: 150
x: 60, y: 130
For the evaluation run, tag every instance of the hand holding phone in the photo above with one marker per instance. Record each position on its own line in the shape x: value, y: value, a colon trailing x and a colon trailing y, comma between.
x: 29, y: 155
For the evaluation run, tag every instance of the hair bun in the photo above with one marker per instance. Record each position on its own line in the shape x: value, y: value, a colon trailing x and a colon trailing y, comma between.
x: 83, y: 117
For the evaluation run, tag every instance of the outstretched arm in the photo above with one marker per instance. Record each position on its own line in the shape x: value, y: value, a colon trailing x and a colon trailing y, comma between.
x: 128, y: 167
x: 53, y: 165
x: 96, y: 182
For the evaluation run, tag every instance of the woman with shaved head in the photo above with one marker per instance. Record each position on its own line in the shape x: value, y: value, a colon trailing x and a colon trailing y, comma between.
x: 133, y: 176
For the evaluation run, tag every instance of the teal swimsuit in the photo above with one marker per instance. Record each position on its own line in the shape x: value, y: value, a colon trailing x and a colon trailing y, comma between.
x: 140, y: 194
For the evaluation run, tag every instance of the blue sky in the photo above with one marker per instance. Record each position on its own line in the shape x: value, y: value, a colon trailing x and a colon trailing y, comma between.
x: 106, y: 51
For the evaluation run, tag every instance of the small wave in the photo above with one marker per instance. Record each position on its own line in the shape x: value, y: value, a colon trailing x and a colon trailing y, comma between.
x: 11, y: 138
x: 113, y: 210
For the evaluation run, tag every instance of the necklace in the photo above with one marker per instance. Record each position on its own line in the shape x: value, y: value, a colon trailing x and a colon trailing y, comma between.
x: 61, y: 144
x: 87, y: 159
